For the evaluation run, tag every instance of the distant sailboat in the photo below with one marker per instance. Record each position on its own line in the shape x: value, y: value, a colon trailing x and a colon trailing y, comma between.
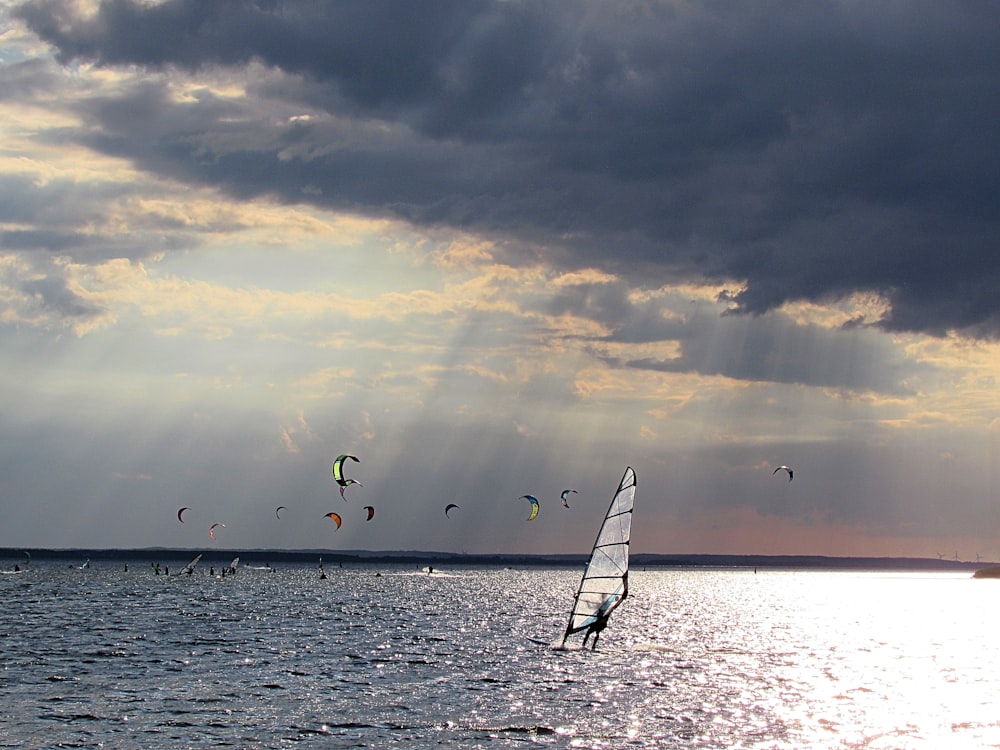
x: 605, y: 581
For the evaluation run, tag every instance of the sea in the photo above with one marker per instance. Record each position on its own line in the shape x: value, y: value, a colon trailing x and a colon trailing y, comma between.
x: 396, y: 656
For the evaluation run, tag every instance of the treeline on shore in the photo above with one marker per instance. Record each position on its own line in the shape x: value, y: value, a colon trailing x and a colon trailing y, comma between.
x: 366, y: 557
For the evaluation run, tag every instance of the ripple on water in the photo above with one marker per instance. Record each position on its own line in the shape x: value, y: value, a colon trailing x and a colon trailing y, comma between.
x: 709, y: 659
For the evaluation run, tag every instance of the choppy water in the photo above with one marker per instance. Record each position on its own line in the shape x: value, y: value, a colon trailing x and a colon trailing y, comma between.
x: 694, y: 659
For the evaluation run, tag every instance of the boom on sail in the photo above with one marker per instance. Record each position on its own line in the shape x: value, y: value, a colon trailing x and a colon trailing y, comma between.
x: 605, y: 581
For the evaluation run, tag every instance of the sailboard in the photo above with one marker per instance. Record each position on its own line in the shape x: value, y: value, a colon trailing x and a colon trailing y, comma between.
x: 604, y: 585
x: 189, y: 568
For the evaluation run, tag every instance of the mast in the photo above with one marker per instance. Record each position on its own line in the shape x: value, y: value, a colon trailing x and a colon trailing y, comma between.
x: 604, y: 585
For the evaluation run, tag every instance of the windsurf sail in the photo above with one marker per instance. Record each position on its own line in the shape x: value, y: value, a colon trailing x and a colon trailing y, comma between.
x: 189, y: 568
x: 605, y: 581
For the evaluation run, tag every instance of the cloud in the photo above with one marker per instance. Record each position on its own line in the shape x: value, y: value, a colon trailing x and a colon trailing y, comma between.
x: 777, y: 350
x: 791, y: 153
x: 492, y: 247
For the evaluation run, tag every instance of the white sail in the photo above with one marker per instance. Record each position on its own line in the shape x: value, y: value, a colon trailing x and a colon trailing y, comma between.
x: 189, y: 568
x: 605, y: 582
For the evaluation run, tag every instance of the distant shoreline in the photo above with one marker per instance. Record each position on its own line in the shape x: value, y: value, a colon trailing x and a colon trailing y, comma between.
x: 411, y: 557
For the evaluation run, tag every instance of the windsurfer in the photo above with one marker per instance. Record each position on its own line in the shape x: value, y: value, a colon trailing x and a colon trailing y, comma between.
x: 604, y: 585
x: 595, y: 629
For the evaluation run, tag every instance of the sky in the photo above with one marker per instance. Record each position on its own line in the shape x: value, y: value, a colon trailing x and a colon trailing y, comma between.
x: 496, y: 248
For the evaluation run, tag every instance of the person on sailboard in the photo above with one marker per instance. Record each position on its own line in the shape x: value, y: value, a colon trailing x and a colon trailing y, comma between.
x: 600, y: 622
x: 595, y: 629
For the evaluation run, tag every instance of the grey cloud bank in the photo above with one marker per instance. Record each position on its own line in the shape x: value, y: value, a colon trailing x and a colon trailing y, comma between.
x: 793, y: 151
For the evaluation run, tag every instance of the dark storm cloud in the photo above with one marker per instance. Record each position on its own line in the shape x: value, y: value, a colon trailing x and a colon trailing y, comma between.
x: 802, y: 151
x: 772, y: 348
x: 778, y: 350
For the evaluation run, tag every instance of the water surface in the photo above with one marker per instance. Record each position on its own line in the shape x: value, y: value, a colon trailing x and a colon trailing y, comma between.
x: 392, y: 657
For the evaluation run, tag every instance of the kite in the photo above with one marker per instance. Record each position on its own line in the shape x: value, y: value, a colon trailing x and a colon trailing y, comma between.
x: 338, y: 470
x: 347, y: 483
x: 534, y: 505
x: 371, y: 512
x: 564, y: 495
x: 786, y: 468
x: 335, y: 517
x: 211, y: 531
x: 280, y: 507
x: 449, y: 506
x: 181, y: 513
